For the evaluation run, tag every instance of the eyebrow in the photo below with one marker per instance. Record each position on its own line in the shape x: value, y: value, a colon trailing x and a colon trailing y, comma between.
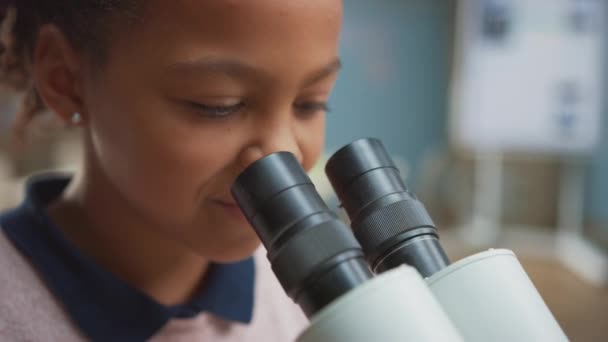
x: 237, y: 69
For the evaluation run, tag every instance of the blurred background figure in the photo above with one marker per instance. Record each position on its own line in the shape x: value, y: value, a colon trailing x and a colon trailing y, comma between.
x: 494, y: 110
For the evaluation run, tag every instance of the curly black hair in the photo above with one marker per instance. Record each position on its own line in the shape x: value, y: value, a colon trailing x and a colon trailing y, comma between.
x: 87, y: 24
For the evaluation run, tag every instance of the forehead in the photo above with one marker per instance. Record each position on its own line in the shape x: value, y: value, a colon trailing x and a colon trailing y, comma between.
x: 259, y: 30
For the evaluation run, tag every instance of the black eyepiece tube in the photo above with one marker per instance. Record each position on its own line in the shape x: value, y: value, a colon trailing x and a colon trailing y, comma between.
x: 392, y: 226
x: 313, y: 254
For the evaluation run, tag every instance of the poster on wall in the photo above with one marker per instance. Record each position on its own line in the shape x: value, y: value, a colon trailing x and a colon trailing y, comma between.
x: 528, y: 75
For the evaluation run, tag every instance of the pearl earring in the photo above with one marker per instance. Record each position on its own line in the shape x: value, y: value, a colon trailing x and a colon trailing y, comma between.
x: 76, y: 118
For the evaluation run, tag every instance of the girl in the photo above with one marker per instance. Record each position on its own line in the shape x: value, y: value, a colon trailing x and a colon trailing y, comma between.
x: 174, y: 99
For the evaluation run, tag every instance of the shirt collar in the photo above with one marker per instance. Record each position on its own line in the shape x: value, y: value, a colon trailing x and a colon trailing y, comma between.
x: 104, y: 307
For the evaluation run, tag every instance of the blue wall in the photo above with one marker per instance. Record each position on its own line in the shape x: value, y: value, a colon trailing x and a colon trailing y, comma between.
x: 393, y: 85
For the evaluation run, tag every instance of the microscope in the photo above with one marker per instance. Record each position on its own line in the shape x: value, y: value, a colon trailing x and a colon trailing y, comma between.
x: 386, y: 277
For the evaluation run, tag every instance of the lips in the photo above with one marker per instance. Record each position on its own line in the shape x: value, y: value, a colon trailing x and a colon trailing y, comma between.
x: 230, y: 207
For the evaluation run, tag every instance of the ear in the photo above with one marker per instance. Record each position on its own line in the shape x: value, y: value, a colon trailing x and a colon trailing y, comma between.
x: 57, y: 73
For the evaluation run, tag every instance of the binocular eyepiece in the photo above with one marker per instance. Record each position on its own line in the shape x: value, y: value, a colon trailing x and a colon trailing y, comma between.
x: 314, y: 255
x: 392, y: 226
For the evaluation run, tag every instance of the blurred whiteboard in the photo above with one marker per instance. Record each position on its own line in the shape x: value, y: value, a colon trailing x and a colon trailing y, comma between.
x: 528, y: 75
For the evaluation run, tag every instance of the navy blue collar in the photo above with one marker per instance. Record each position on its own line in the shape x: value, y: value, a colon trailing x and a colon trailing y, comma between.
x: 104, y: 307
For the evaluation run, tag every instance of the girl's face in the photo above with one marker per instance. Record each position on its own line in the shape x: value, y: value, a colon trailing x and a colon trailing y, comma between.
x: 198, y: 90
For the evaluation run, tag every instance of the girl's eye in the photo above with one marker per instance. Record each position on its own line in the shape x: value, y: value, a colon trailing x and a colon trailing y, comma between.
x: 217, y: 111
x: 307, y: 108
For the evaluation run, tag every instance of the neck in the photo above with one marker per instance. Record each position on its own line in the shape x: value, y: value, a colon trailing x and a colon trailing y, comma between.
x: 99, y: 221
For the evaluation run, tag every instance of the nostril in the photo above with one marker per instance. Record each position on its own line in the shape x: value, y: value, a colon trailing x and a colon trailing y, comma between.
x: 249, y: 155
x: 298, y: 156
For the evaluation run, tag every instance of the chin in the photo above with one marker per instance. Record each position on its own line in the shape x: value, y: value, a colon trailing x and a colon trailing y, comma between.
x: 232, y: 252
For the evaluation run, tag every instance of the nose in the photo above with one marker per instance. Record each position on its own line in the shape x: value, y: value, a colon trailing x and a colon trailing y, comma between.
x: 269, y: 137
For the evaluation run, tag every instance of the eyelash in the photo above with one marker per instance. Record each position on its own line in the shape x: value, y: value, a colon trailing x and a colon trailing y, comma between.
x: 219, y: 111
x: 308, y: 108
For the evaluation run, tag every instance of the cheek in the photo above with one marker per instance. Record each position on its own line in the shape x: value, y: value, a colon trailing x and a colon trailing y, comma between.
x: 159, y: 164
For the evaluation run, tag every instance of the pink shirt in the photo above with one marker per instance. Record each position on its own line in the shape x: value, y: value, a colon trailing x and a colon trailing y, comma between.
x: 29, y: 311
